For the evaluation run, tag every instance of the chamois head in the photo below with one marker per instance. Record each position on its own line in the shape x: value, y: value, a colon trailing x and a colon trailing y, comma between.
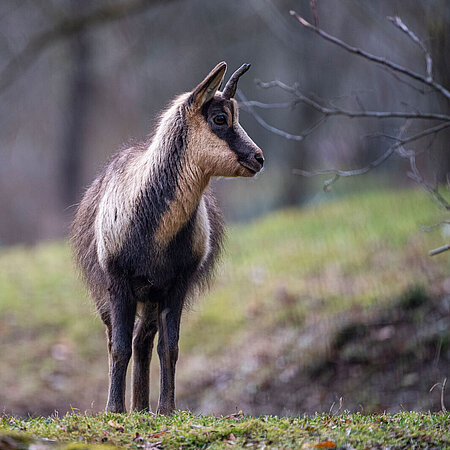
x: 215, y: 137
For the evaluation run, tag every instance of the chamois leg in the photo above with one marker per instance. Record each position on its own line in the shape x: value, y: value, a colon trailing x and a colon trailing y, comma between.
x: 142, y: 354
x: 169, y: 317
x: 123, y: 310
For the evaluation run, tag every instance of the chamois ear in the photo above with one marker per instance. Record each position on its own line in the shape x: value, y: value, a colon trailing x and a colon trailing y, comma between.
x: 207, y: 88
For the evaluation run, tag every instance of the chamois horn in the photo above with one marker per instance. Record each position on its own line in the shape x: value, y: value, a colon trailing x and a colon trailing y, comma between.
x: 230, y: 88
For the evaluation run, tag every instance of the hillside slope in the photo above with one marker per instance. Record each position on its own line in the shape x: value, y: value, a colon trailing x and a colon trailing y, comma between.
x: 337, y: 300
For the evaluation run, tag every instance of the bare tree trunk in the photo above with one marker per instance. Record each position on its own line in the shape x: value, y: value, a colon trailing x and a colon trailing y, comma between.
x: 79, y: 90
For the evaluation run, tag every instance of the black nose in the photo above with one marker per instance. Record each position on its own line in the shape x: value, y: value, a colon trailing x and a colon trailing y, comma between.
x: 260, y: 159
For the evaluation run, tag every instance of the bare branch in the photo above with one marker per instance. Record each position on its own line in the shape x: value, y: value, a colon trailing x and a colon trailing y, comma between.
x: 66, y: 28
x: 429, y: 62
x: 439, y: 250
x: 424, y: 133
x: 376, y: 59
x: 335, y: 111
x: 248, y: 105
x: 347, y: 173
x: 381, y: 159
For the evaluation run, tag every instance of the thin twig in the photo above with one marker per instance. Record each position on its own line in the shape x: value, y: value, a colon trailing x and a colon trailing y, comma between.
x: 261, y: 105
x: 442, y: 395
x: 341, y: 404
x: 428, y: 61
x: 376, y: 59
x: 264, y: 124
x: 398, y: 77
x: 314, y: 12
x: 346, y: 173
x: 331, y: 413
x: 442, y: 386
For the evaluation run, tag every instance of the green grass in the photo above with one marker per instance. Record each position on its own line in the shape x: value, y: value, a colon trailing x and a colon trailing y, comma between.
x: 294, y: 276
x: 186, y: 430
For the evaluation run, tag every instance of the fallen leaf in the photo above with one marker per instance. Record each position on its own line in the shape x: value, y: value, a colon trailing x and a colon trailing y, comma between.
x: 158, y: 434
x: 236, y: 416
x: 325, y: 444
x: 116, y: 425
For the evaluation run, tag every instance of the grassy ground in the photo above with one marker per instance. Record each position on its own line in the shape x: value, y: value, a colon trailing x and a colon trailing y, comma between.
x: 185, y: 430
x: 336, y: 300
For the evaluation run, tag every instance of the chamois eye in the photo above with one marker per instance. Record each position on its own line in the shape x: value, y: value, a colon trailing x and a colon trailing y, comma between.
x: 220, y: 119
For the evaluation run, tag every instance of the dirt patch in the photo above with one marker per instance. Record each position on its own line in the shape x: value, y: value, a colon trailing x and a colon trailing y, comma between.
x: 383, y: 360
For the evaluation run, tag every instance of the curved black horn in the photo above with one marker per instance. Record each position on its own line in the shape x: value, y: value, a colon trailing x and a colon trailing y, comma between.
x: 230, y: 88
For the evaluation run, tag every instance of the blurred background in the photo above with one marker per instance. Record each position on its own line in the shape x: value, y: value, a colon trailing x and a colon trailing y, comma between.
x: 320, y: 295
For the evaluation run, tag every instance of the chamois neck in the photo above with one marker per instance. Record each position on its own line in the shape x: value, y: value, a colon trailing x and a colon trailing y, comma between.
x: 177, y: 175
x: 190, y: 186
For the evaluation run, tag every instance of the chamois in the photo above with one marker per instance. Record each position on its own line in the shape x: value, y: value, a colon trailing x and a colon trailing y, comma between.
x: 148, y: 231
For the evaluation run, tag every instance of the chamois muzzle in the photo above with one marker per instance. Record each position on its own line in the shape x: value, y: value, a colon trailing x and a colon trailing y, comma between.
x: 231, y: 86
x: 253, y: 162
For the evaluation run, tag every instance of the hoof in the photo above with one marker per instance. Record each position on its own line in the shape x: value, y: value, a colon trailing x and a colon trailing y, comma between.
x: 116, y: 408
x: 165, y: 411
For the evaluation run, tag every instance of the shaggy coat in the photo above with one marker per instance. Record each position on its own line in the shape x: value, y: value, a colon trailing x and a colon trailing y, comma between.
x: 148, y: 231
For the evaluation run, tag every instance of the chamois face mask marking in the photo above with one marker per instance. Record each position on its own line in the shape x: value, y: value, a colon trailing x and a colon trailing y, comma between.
x: 231, y: 132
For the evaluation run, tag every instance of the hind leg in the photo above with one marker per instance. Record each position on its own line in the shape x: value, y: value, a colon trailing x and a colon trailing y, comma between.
x: 142, y: 353
x: 123, y: 311
x: 169, y: 318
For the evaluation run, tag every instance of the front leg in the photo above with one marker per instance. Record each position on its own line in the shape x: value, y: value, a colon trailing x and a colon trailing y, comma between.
x: 142, y: 353
x: 123, y: 311
x: 169, y: 318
